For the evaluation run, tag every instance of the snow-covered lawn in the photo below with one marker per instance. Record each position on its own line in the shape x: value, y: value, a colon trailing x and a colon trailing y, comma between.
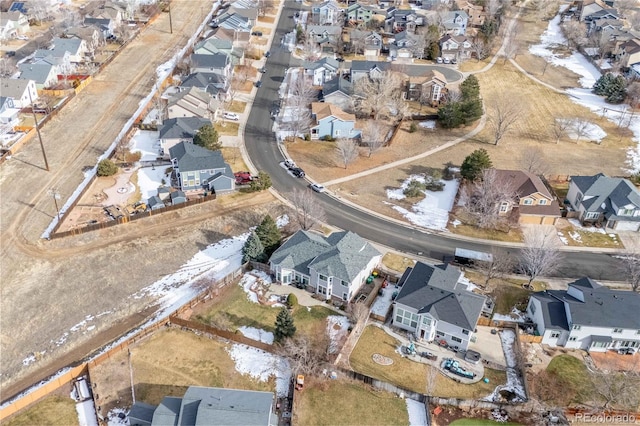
x: 514, y: 383
x: 576, y: 62
x: 417, y: 413
x: 429, y: 124
x: 147, y: 143
x: 514, y: 316
x: 257, y: 334
x: 113, y: 417
x: 150, y: 179
x: 261, y: 365
x: 578, y: 130
x: 337, y: 328
x: 255, y: 283
x: 152, y: 117
x: 433, y: 211
x: 383, y: 302
x: 576, y: 224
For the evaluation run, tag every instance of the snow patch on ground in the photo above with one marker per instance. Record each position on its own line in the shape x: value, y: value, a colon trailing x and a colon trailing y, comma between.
x: 417, y: 413
x: 563, y: 239
x: 282, y: 221
x: 578, y: 130
x: 514, y: 316
x: 470, y: 286
x: 261, y: 366
x: 87, y: 413
x: 433, y: 211
x: 113, y: 417
x: 255, y: 282
x: 146, y: 142
x: 576, y: 224
x: 337, y: 328
x: 257, y: 334
x: 383, y: 302
x: 514, y: 382
x: 429, y: 124
x: 150, y: 179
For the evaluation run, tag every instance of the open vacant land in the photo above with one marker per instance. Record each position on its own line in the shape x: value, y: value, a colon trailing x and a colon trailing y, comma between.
x: 53, y: 410
x: 343, y: 402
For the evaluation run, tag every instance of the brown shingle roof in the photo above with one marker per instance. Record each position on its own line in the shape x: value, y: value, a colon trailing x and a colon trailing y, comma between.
x: 323, y: 110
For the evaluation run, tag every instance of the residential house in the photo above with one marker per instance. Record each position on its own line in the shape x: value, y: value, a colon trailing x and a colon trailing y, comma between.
x: 91, y: 35
x: 534, y: 202
x: 218, y: 63
x: 369, y: 43
x: 208, y: 406
x: 13, y: 24
x: 436, y: 305
x: 112, y: 11
x: 238, y: 38
x: 334, y: 267
x: 455, y: 22
x: 43, y: 73
x: 339, y: 92
x: 8, y: 112
x: 398, y: 20
x: 200, y: 169
x: 359, y: 14
x: 586, y: 316
x: 326, y: 37
x: 327, y: 13
x: 155, y: 203
x: 177, y: 197
x: 475, y: 13
x: 192, y: 102
x: 331, y: 121
x: 214, y: 84
x: 611, y: 202
x: 233, y: 21
x: 251, y: 13
x: 181, y: 129
x: 64, y: 50
x: 213, y: 45
x: 164, y: 193
x: 427, y: 89
x: 404, y: 45
x: 371, y: 69
x: 105, y: 26
x: 628, y: 53
x: 456, y: 47
x: 321, y: 71
x: 590, y: 9
x: 22, y: 92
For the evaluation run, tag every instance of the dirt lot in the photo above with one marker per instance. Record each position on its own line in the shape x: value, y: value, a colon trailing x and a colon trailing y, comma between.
x: 192, y: 361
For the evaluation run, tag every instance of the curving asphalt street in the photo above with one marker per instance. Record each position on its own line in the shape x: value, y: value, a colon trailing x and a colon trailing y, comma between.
x: 262, y: 148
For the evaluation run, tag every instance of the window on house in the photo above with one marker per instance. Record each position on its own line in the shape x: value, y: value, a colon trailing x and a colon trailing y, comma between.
x: 626, y: 212
x: 305, y: 280
x: 344, y: 296
x: 337, y: 132
x: 504, y: 207
x: 439, y: 334
x: 532, y: 308
x: 528, y: 201
x: 592, y: 215
x: 426, y: 321
x: 542, y: 202
x: 465, y: 332
x: 322, y: 277
x: 456, y: 339
x: 578, y: 198
x: 573, y: 339
x: 555, y: 335
x: 576, y: 327
x: 617, y: 330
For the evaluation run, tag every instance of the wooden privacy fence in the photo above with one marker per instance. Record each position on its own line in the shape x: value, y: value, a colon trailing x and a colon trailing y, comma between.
x: 225, y: 334
x: 528, y: 338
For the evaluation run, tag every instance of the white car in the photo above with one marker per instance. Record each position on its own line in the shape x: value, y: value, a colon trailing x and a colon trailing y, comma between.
x: 317, y: 187
x: 289, y: 164
x: 231, y: 116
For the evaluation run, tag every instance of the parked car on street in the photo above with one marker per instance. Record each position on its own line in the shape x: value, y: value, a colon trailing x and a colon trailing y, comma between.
x: 289, y: 164
x: 317, y: 187
x: 263, y: 70
x: 257, y: 33
x: 231, y: 116
x: 258, y: 84
x: 267, y: 54
x: 297, y: 172
x: 439, y: 60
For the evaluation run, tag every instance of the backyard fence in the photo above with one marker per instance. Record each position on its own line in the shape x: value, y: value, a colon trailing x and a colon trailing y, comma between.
x: 225, y: 334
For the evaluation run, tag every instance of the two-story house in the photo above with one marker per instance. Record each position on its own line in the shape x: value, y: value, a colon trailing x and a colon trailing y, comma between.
x: 370, y: 69
x: 454, y: 22
x: 404, y: 45
x: 325, y: 37
x: 200, y: 169
x: 106, y: 26
x: 359, y: 14
x: 22, y: 92
x: 213, y: 45
x: 212, y: 83
x: 534, y: 202
x: 72, y: 50
x: 456, y: 47
x: 335, y: 267
x: 13, y: 24
x: 436, y: 305
x: 43, y: 73
x: 426, y: 89
x: 587, y: 316
x: 331, y: 121
x: 611, y: 202
x: 180, y: 129
x: 398, y: 20
x: 327, y: 13
x: 218, y: 63
x: 339, y: 92
x: 233, y: 21
x: 8, y: 113
x: 89, y: 33
x: 192, y: 102
x: 368, y: 43
x: 628, y: 53
x: 321, y: 71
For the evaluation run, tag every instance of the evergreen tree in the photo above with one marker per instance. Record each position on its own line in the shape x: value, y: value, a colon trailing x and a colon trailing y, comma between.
x: 284, y: 326
x: 469, y: 109
x: 450, y: 115
x: 107, y: 167
x: 261, y: 183
x: 475, y: 163
x: 269, y: 234
x: 612, y: 87
x: 253, y: 249
x: 470, y: 88
x: 207, y: 137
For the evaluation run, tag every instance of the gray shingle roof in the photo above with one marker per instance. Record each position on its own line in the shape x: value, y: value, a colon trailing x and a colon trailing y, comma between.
x: 36, y: 72
x: 192, y: 157
x: 553, y: 313
x: 13, y: 87
x: 213, y: 82
x: 216, y: 406
x: 435, y: 290
x: 167, y: 412
x: 369, y: 65
x: 337, y: 84
x: 342, y: 254
x: 605, y: 191
x: 182, y: 127
x: 217, y: 60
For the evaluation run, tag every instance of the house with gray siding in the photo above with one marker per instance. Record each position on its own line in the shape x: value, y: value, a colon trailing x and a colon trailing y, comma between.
x: 434, y: 304
x: 611, y: 202
x: 359, y: 13
x: 587, y: 316
x: 200, y: 169
x: 335, y: 267
x: 201, y: 406
x: 43, y: 73
x: 21, y: 91
x: 339, y: 92
x: 331, y: 121
x: 218, y: 63
x: 179, y: 129
x: 321, y: 71
x: 214, y: 84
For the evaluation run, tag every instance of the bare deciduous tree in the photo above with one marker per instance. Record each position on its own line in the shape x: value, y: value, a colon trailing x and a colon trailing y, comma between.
x: 481, y: 48
x: 534, y: 160
x: 419, y: 45
x: 633, y: 93
x: 308, y: 210
x: 512, y: 42
x: 306, y: 355
x: 503, y: 115
x: 378, y: 94
x: 540, y: 254
x: 580, y: 127
x: 575, y: 32
x: 629, y: 264
x: 492, y: 7
x: 482, y: 199
x: 347, y: 151
x: 123, y: 148
x: 302, y: 94
x: 357, y: 312
x: 501, y: 263
x: 374, y: 135
x: 615, y: 388
x: 560, y: 127
x: 8, y: 67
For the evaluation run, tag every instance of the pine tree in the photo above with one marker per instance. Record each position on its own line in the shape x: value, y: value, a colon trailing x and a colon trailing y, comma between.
x: 470, y: 88
x: 284, y: 326
x: 269, y: 234
x: 253, y: 249
x: 207, y: 137
x: 475, y: 163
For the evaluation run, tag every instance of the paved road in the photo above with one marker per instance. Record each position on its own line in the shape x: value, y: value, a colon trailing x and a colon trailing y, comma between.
x: 263, y: 151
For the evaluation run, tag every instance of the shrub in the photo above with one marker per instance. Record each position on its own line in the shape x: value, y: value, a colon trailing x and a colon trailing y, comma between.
x: 328, y: 138
x: 307, y: 137
x: 107, y: 167
x: 292, y: 300
x: 413, y: 127
x: 414, y: 189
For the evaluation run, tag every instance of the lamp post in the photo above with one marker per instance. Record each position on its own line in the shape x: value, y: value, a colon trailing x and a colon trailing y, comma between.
x: 35, y: 119
x: 53, y: 193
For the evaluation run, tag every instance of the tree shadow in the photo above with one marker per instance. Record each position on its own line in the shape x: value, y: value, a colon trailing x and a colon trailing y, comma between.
x: 152, y: 393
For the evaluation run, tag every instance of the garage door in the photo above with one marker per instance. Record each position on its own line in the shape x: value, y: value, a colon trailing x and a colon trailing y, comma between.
x: 627, y: 226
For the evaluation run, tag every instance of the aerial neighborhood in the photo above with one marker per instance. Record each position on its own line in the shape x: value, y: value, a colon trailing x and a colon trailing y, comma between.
x: 239, y: 212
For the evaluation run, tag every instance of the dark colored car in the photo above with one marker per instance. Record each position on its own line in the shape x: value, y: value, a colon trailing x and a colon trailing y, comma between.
x: 258, y: 84
x: 257, y: 33
x: 267, y: 54
x: 262, y: 70
x: 297, y: 172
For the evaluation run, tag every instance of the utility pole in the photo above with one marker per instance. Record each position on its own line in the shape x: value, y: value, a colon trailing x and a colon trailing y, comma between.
x: 170, y: 22
x: 53, y: 193
x: 35, y: 119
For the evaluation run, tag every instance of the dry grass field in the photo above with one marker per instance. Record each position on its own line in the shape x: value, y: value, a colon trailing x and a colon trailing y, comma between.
x: 397, y: 262
x: 53, y: 410
x: 166, y: 364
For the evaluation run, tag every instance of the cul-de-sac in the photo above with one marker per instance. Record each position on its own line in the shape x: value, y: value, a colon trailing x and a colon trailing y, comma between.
x: 307, y: 212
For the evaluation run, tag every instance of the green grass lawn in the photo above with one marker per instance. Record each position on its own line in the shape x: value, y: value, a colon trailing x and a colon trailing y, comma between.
x: 53, y: 410
x: 409, y: 374
x: 480, y: 422
x: 341, y: 402
x: 573, y: 372
x: 508, y: 292
x: 234, y: 310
